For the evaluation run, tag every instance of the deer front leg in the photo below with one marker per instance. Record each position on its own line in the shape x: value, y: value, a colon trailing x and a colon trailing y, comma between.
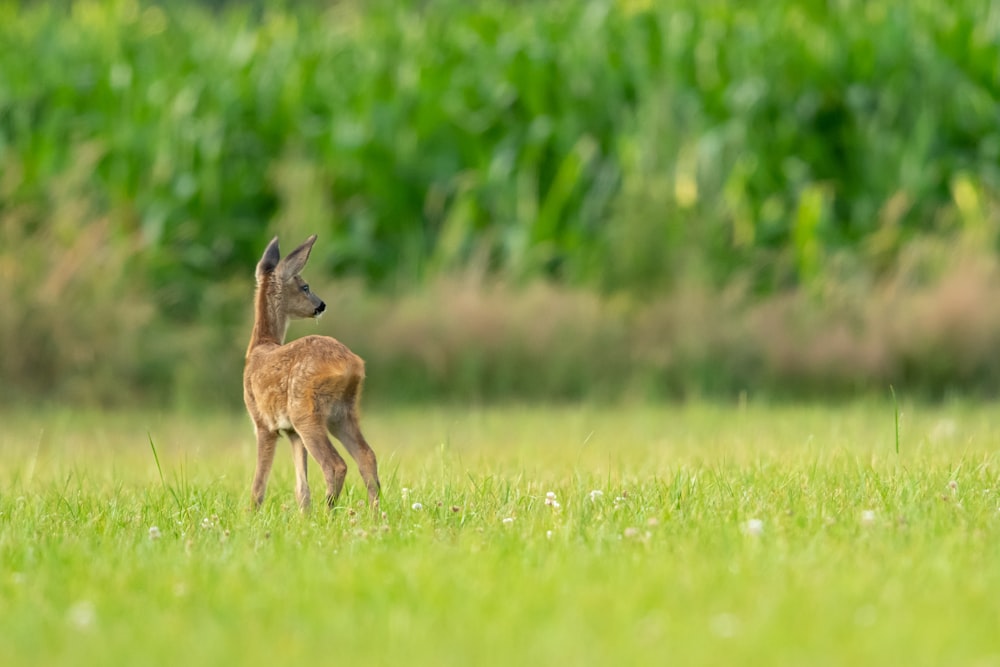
x: 301, y: 459
x: 266, y: 441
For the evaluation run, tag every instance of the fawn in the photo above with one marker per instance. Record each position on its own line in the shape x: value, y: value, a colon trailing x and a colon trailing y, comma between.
x: 305, y: 388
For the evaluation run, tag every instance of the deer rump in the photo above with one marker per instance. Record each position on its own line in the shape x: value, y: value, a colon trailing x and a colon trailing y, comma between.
x: 327, y: 379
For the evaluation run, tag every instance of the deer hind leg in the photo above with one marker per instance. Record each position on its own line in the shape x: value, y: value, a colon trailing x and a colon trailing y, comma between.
x: 346, y: 429
x: 301, y: 460
x: 330, y: 462
x: 266, y: 441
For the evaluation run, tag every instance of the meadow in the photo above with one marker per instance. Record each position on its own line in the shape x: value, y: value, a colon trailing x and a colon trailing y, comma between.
x: 636, y: 214
x: 588, y: 534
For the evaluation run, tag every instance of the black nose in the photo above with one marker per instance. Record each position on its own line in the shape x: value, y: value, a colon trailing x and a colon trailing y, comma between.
x: 320, y: 308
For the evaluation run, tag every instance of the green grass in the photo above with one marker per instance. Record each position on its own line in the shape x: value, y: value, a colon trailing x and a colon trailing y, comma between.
x: 664, y: 567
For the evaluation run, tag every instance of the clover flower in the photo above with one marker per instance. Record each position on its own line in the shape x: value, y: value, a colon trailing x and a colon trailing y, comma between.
x: 550, y: 499
x: 753, y: 527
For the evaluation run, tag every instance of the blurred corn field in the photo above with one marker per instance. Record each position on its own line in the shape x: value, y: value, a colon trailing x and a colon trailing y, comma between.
x: 629, y: 150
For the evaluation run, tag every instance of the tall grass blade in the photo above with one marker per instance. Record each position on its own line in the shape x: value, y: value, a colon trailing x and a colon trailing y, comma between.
x: 895, y: 410
x: 156, y: 458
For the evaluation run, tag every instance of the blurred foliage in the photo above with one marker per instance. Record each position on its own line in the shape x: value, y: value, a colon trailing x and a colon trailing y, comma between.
x: 591, y: 141
x: 620, y: 145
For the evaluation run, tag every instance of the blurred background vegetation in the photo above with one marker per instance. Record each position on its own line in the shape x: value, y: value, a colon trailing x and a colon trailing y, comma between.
x: 549, y: 199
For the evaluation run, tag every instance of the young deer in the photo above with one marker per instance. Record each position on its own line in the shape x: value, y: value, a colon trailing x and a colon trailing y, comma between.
x: 302, y: 389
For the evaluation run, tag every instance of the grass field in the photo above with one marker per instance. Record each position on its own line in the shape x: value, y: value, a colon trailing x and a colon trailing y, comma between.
x: 696, y: 534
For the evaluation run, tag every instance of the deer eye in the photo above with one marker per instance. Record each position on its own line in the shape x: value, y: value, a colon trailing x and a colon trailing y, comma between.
x: 305, y: 288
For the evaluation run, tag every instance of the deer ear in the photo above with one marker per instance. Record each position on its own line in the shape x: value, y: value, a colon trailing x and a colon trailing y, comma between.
x: 270, y: 260
x: 295, y: 261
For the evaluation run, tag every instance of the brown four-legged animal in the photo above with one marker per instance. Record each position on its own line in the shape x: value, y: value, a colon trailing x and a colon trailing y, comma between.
x: 303, y: 389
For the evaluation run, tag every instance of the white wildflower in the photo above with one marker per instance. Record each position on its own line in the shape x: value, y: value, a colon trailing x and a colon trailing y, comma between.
x: 595, y: 495
x: 867, y: 517
x: 753, y: 527
x: 154, y: 533
x: 416, y: 507
x: 550, y: 500
x: 508, y: 520
x: 82, y: 614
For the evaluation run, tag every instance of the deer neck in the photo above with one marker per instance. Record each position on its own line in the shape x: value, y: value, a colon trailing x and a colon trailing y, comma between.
x: 269, y: 322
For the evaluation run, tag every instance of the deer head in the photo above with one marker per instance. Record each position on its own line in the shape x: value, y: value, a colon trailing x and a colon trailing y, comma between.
x: 279, y: 278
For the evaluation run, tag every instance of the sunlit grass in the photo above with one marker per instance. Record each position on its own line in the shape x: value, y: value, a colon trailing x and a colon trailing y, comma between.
x: 576, y: 535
